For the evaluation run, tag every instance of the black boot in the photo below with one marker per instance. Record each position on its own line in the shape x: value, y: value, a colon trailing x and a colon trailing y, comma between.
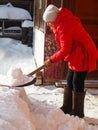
x: 67, y: 100
x: 78, y: 104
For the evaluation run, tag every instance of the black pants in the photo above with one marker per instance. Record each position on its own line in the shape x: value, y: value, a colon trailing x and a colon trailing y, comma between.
x: 75, y: 80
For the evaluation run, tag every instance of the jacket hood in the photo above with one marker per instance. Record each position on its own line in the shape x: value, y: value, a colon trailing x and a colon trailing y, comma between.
x: 64, y: 15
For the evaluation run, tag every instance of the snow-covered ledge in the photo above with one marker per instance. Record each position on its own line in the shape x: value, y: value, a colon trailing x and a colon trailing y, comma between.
x: 38, y: 41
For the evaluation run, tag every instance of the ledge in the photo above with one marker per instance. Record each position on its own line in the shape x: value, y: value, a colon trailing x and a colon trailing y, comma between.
x: 92, y: 84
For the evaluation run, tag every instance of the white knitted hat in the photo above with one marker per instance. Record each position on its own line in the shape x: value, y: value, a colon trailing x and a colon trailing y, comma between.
x: 50, y: 13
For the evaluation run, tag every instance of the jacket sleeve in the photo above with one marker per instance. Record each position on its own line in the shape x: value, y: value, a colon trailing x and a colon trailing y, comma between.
x: 65, y: 40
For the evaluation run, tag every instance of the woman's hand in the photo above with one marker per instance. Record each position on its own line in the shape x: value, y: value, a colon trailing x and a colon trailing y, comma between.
x: 48, y: 63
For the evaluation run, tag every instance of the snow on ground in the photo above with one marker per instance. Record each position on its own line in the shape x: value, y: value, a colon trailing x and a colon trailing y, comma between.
x: 35, y: 107
x: 15, y: 54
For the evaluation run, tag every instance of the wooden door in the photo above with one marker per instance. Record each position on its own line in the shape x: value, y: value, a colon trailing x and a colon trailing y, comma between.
x: 87, y: 11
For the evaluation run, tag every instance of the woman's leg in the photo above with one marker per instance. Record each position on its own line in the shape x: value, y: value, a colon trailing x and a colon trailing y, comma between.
x: 78, y: 81
x: 69, y: 78
x: 78, y: 93
x: 67, y: 99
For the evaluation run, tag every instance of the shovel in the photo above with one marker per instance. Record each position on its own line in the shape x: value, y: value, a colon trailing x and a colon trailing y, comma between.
x: 29, y: 75
x: 37, y: 70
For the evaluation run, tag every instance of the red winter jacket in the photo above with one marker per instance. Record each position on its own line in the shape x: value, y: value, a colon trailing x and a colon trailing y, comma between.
x: 74, y: 43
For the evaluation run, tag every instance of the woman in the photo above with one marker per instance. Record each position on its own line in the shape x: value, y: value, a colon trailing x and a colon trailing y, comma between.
x: 75, y: 47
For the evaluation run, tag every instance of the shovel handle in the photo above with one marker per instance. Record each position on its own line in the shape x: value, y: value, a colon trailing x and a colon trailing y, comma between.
x: 37, y: 70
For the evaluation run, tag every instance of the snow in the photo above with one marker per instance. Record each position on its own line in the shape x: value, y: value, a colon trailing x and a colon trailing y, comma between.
x: 27, y: 23
x: 13, y: 28
x: 8, y: 11
x: 14, y: 111
x: 16, y: 77
x: 35, y: 107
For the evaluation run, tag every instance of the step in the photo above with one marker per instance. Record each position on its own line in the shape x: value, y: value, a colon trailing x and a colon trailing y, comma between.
x: 93, y: 84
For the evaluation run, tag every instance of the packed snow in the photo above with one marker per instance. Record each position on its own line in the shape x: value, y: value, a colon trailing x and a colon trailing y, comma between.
x: 27, y: 24
x: 35, y: 107
x: 18, y: 13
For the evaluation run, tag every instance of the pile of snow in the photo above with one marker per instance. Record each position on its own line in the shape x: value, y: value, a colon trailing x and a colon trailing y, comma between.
x: 20, y: 111
x: 8, y: 11
x: 14, y: 54
x: 14, y: 110
x: 16, y: 61
x: 45, y: 107
x: 27, y: 24
x: 13, y: 28
x: 16, y: 77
